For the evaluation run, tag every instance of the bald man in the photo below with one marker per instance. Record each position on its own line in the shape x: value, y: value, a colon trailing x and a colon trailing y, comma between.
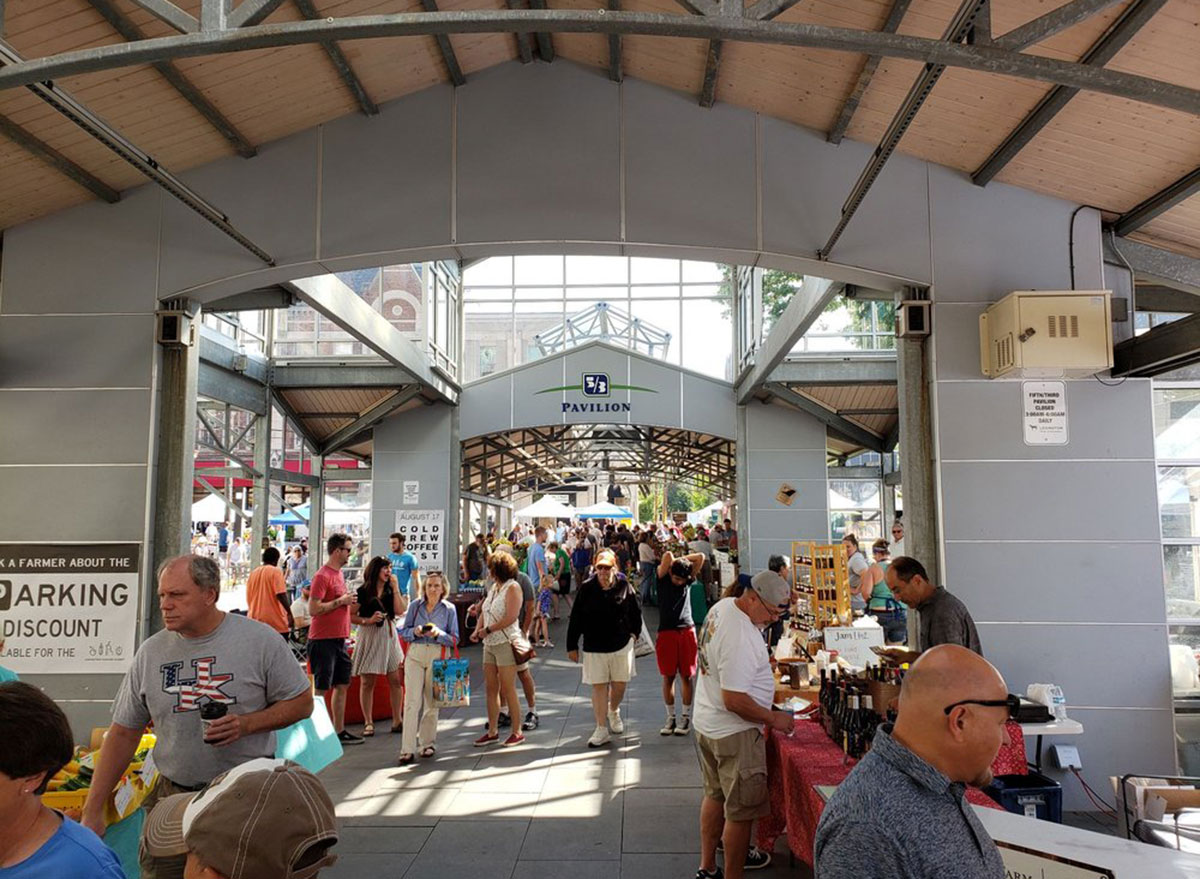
x: 901, y: 813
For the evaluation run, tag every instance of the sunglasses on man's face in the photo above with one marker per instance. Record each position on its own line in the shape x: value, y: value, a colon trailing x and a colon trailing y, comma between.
x: 1011, y: 702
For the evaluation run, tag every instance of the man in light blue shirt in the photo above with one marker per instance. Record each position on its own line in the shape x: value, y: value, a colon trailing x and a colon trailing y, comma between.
x: 405, y: 568
x: 537, y: 557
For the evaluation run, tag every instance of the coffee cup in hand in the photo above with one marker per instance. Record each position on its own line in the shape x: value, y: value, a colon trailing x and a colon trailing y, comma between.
x: 209, y: 712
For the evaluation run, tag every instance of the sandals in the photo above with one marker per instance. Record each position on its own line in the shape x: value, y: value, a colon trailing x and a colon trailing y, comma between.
x: 428, y: 751
x: 368, y: 729
x: 407, y: 759
x: 398, y: 728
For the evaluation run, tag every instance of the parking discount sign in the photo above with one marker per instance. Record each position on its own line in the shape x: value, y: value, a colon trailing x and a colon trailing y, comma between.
x: 68, y: 608
x: 423, y: 531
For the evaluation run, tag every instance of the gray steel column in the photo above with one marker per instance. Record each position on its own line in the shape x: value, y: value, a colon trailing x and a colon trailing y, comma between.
x: 316, y: 515
x: 455, y: 501
x: 742, y: 478
x: 889, y: 498
x: 262, y: 487
x: 916, y: 461
x: 174, y: 458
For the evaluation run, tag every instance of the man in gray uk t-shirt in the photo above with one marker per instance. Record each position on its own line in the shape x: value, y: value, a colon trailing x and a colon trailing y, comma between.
x: 203, y: 656
x: 901, y: 813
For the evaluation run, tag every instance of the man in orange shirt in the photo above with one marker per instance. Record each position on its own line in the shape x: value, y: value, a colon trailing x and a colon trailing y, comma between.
x: 266, y: 594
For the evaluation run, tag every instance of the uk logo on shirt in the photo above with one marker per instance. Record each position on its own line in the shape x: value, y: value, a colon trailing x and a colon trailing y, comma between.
x: 203, y: 684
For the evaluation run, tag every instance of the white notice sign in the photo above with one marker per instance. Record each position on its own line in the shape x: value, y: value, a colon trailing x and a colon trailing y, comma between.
x: 1029, y: 864
x: 1044, y: 413
x: 854, y: 644
x: 412, y: 491
x: 423, y: 531
x: 68, y: 608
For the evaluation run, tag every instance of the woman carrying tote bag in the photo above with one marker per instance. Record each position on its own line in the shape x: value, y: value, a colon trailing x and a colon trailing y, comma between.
x: 430, y: 626
x: 498, y: 628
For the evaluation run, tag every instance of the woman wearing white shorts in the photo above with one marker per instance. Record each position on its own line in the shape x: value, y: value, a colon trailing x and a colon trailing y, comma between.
x: 606, y: 614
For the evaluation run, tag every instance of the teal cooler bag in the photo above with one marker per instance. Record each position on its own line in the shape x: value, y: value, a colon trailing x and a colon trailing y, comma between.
x: 451, y: 681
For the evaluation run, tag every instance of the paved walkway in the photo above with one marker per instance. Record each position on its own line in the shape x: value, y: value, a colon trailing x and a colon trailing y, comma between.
x: 627, y: 810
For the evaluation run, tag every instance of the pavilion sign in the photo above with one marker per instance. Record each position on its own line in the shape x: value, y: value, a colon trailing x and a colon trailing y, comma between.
x: 595, y: 388
x: 68, y: 608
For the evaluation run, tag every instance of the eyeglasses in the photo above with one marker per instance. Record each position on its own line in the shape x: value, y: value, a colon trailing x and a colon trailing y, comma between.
x: 1011, y: 702
x: 775, y: 611
x: 897, y: 530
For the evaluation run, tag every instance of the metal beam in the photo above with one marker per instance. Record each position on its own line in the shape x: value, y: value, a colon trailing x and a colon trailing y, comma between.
x: 291, y: 477
x: 101, y: 131
x: 344, y: 436
x: 1159, y: 203
x: 214, y: 14
x: 1045, y: 26
x: 338, y: 59
x: 986, y: 59
x: 214, y: 349
x: 229, y: 387
x: 1154, y: 264
x: 832, y: 372
x: 168, y: 12
x: 615, y: 72
x: 765, y: 10
x: 230, y: 505
x: 448, y: 57
x: 544, y: 42
x: 712, y: 63
x: 524, y: 49
x: 253, y: 300
x: 56, y: 160
x: 1119, y: 33
x: 801, y: 312
x: 889, y: 411
x: 1157, y: 297
x: 847, y: 429
x: 955, y: 32
x: 846, y: 113
x: 251, y: 12
x: 1164, y: 348
x: 338, y: 376
x: 131, y: 32
x: 329, y: 296
x: 290, y: 414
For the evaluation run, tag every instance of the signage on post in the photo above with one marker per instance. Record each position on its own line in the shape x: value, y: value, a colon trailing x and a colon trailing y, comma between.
x: 423, y: 531
x: 1044, y: 413
x: 854, y: 643
x: 412, y: 491
x: 68, y: 608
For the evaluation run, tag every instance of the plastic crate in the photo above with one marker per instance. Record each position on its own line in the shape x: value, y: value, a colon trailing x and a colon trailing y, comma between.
x: 1033, y: 795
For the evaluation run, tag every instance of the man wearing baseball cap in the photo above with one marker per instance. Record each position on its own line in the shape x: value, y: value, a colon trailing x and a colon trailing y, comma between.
x: 263, y: 818
x: 734, y: 693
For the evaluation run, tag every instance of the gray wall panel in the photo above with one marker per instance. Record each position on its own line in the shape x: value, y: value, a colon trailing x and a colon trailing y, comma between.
x: 810, y: 493
x: 73, y: 503
x: 105, y: 258
x: 1050, y: 500
x: 403, y: 157
x: 1072, y: 656
x: 100, y: 351
x: 533, y: 408
x: 783, y: 428
x: 770, y: 463
x: 664, y: 407
x: 956, y: 340
x: 417, y: 430
x: 1058, y: 582
x: 689, y: 172
x: 271, y: 199
x: 486, y: 407
x: 785, y: 524
x: 983, y: 419
x: 809, y: 181
x: 989, y: 242
x: 594, y: 359
x: 538, y: 155
x: 77, y: 427
x: 718, y: 420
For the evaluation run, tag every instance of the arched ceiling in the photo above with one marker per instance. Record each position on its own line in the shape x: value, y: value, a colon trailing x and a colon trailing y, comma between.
x: 1113, y: 153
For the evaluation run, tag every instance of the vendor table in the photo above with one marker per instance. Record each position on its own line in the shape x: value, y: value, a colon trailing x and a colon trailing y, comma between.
x: 461, y: 601
x: 1065, y: 727
x: 794, y: 765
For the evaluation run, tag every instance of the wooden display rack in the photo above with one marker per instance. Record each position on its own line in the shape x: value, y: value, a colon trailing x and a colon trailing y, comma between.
x: 819, y: 573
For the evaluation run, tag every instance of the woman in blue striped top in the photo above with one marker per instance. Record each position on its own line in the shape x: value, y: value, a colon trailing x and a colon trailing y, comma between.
x: 430, y: 626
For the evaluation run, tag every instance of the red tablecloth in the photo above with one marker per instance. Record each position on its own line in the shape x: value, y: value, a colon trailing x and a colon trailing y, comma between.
x: 794, y: 764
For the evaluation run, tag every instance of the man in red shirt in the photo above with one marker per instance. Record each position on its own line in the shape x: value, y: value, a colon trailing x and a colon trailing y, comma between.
x: 266, y: 594
x: 328, y: 657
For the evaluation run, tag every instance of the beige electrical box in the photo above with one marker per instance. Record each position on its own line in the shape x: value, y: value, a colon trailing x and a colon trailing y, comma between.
x: 1047, y: 334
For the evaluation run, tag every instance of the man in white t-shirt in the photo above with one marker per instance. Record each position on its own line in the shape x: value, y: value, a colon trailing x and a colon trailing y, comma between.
x: 734, y: 692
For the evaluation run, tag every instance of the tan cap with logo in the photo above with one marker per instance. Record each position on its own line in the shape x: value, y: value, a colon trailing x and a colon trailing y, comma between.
x: 263, y: 818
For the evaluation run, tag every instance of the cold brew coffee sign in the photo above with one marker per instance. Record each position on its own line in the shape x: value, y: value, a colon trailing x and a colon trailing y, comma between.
x: 1045, y: 413
x: 423, y: 531
x: 68, y: 608
x: 592, y: 395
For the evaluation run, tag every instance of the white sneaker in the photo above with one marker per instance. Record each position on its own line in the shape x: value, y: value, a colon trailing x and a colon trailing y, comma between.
x: 615, y: 723
x: 599, y: 738
x: 684, y: 727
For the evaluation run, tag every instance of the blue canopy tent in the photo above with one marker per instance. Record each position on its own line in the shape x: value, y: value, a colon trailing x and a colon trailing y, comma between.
x: 287, y: 517
x: 603, y: 511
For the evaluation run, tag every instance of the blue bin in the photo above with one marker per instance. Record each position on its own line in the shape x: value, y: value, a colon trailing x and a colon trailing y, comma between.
x: 1033, y: 795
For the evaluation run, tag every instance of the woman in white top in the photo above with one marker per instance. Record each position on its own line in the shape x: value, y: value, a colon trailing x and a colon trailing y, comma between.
x: 856, y: 566
x: 497, y: 628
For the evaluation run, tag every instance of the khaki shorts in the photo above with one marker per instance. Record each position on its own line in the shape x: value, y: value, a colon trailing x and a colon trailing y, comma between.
x: 606, y: 668
x: 499, y: 655
x: 735, y: 773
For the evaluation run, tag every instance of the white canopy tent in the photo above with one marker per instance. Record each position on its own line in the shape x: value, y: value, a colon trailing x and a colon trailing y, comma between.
x: 546, y: 508
x: 213, y: 509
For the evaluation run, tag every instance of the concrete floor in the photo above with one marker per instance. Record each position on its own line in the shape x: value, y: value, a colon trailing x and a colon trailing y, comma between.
x: 627, y: 810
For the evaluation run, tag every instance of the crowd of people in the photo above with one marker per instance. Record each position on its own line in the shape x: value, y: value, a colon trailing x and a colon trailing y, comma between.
x: 710, y: 652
